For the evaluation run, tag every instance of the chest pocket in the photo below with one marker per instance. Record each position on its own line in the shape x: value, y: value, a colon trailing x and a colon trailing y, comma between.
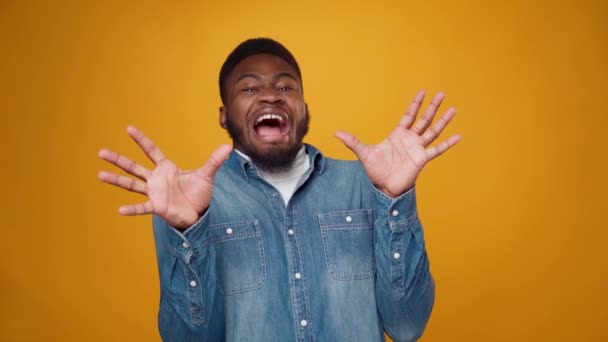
x: 239, y: 253
x: 348, y: 244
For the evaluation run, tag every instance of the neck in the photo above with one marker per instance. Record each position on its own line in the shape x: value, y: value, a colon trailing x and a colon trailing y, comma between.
x: 270, y: 165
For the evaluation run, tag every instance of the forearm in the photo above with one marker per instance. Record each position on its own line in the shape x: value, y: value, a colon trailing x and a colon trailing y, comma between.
x: 191, y: 307
x: 405, y: 289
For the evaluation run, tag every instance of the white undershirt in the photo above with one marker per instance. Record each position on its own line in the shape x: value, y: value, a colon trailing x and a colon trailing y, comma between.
x: 286, y: 181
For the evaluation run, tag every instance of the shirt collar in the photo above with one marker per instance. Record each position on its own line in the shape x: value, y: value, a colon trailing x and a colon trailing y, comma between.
x: 244, y: 167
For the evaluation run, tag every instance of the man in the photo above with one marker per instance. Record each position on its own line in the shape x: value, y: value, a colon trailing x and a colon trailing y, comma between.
x: 274, y: 241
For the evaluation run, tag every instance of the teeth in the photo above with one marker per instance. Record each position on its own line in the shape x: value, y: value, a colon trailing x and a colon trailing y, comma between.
x: 268, y: 117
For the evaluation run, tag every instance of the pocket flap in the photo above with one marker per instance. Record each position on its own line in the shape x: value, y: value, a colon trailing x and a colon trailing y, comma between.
x: 349, y: 219
x: 233, y: 230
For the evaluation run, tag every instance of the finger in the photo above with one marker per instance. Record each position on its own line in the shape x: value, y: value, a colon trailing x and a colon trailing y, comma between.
x: 124, y: 163
x: 427, y: 117
x: 433, y: 152
x: 354, y: 144
x: 215, y: 161
x: 151, y: 150
x: 412, y: 111
x: 434, y: 131
x: 136, y: 209
x: 122, y: 182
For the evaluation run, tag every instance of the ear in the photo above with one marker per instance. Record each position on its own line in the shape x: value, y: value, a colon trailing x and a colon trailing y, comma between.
x: 223, y: 117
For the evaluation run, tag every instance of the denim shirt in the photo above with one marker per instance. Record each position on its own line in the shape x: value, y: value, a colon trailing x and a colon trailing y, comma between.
x: 340, y: 262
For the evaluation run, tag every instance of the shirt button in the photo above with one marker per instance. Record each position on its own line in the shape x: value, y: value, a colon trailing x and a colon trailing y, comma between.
x: 395, y: 213
x: 349, y: 219
x: 303, y: 323
x: 290, y: 232
x: 185, y: 244
x: 193, y: 283
x: 396, y: 255
x: 274, y: 194
x: 298, y: 276
x: 229, y: 231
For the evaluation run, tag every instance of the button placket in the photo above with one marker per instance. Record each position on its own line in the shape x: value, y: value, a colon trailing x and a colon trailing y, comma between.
x: 296, y: 281
x: 185, y: 252
x: 398, y: 240
x: 197, y: 314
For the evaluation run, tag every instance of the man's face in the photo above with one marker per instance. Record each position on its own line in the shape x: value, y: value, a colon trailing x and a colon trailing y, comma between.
x: 265, y: 113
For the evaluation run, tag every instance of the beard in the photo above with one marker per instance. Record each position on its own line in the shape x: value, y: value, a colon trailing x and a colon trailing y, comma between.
x: 274, y: 159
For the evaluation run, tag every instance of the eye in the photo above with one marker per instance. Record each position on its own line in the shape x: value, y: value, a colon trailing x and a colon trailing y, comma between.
x: 284, y: 89
x: 249, y: 90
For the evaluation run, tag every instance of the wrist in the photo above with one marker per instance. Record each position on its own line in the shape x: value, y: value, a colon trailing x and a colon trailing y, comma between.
x: 182, y: 223
x: 392, y: 193
x: 388, y: 193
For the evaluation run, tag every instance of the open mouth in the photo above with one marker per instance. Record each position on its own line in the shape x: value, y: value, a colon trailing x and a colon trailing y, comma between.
x: 271, y: 125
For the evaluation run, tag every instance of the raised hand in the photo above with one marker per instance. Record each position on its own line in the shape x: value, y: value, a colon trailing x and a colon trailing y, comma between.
x: 394, y: 164
x: 176, y: 195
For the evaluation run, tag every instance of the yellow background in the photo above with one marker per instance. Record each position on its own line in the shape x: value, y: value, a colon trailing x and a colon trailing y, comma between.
x: 513, y: 215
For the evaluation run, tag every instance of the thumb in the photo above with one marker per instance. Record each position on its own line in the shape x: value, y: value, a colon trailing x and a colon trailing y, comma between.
x: 215, y: 161
x: 352, y: 143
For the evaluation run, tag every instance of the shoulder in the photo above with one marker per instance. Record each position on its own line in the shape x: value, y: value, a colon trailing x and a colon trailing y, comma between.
x: 332, y: 164
x: 340, y: 164
x: 339, y: 169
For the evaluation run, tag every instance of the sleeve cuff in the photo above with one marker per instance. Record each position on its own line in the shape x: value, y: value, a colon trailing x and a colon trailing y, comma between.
x: 397, y: 210
x: 180, y: 239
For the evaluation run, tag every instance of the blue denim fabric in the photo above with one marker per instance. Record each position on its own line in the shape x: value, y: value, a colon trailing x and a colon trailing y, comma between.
x: 232, y: 275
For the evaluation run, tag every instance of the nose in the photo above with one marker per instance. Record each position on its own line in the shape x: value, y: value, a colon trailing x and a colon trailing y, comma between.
x: 270, y: 95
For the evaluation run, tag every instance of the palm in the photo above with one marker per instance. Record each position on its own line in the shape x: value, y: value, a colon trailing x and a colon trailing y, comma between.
x: 400, y: 153
x: 394, y: 164
x: 176, y: 195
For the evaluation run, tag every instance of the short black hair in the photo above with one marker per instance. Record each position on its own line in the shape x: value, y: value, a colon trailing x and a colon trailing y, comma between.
x: 252, y: 47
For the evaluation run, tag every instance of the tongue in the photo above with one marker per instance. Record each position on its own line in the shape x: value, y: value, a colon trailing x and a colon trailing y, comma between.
x: 269, y: 130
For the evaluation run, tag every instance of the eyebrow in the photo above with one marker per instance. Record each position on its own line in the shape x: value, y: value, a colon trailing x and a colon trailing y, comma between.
x: 258, y: 77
